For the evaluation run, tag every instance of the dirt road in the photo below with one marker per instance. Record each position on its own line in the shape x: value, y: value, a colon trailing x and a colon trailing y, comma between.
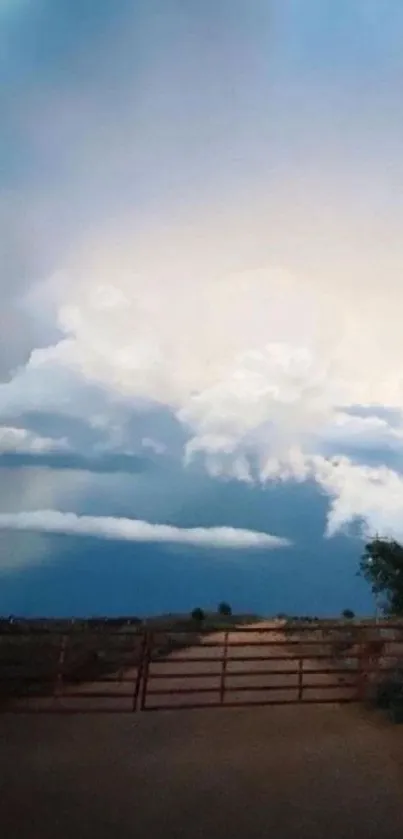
x: 289, y: 772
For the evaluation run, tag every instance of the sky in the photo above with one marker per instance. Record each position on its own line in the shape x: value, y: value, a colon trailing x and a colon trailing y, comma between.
x: 201, y: 391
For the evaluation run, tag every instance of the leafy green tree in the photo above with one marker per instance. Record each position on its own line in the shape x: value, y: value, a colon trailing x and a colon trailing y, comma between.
x: 382, y: 566
x: 198, y: 615
x: 348, y: 614
x: 225, y: 610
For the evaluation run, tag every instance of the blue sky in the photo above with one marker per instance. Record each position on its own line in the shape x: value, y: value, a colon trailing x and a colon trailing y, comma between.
x: 200, y: 382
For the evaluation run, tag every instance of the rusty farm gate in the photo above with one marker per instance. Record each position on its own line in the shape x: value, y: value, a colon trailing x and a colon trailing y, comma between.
x: 83, y: 671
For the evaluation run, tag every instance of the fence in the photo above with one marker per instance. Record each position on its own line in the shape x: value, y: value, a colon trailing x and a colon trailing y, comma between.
x: 144, y: 670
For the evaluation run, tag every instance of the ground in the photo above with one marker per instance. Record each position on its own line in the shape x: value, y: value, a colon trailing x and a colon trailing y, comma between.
x: 288, y: 771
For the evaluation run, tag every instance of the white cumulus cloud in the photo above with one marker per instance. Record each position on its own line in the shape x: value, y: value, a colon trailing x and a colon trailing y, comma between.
x: 217, y: 234
x: 262, y: 367
x: 371, y: 495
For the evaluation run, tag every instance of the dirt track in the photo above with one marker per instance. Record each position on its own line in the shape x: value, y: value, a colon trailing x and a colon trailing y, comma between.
x: 289, y: 772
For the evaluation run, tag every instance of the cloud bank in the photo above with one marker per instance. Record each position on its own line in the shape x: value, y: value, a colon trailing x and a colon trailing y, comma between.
x: 133, y: 530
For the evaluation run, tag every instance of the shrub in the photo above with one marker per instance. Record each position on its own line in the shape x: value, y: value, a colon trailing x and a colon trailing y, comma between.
x: 198, y: 615
x: 390, y: 691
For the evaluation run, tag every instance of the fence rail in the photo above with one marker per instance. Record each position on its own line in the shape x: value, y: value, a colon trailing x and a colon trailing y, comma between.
x: 149, y: 670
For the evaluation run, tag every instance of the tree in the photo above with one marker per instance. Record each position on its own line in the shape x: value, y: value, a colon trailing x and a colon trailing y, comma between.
x: 225, y: 610
x: 198, y: 615
x: 348, y: 614
x: 382, y: 566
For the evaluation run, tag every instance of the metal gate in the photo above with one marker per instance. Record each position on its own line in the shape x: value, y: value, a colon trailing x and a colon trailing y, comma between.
x: 265, y: 664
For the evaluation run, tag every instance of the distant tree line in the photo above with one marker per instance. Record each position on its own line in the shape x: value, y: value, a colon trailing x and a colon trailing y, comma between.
x: 223, y: 609
x: 381, y: 564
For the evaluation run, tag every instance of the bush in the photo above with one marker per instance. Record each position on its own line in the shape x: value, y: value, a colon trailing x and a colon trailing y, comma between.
x: 348, y: 614
x: 225, y: 610
x: 390, y: 691
x: 198, y: 615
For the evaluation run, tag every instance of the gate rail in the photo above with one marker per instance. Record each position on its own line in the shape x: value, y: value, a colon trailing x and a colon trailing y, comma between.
x: 149, y: 670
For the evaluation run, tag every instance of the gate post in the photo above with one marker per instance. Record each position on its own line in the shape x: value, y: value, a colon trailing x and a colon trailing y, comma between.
x: 300, y: 677
x: 224, y: 668
x: 140, y: 669
x: 60, y: 663
x: 146, y: 668
x: 362, y: 673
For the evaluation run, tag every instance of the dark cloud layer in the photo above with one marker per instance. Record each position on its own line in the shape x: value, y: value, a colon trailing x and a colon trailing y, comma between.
x: 109, y: 463
x: 87, y: 576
